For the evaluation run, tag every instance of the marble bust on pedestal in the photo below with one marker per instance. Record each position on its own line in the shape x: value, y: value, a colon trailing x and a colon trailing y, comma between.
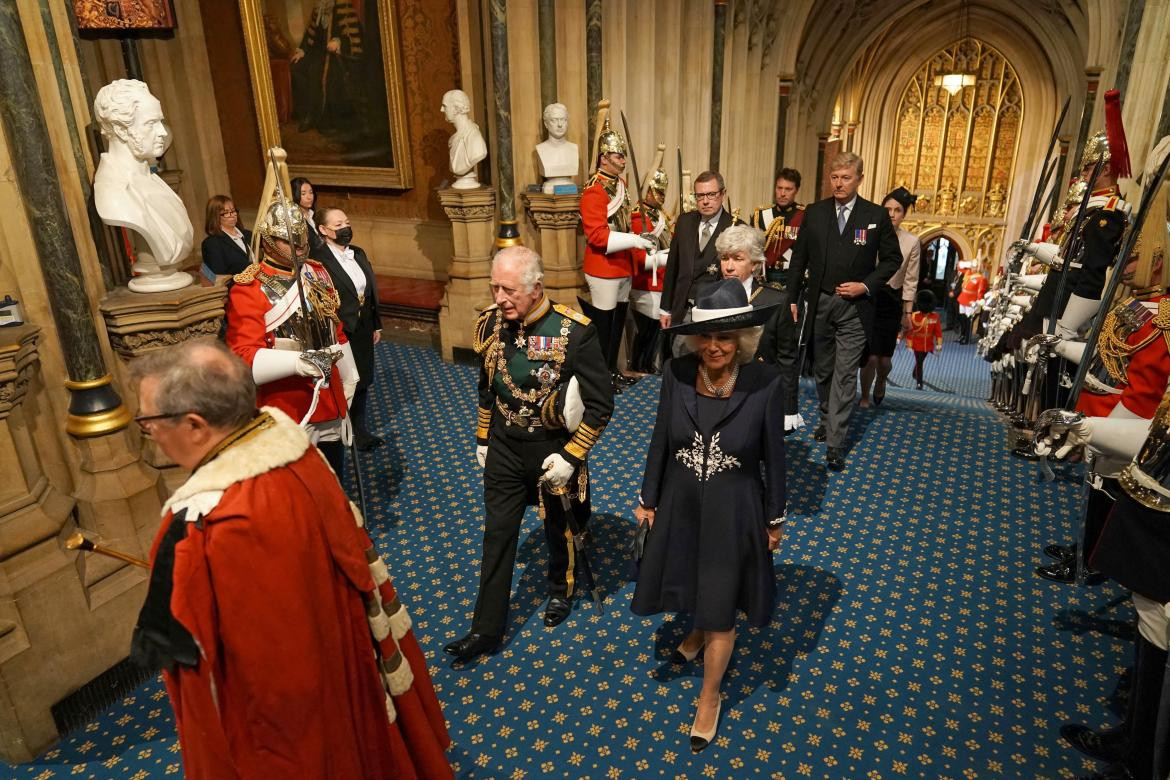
x: 559, y: 158
x: 467, y: 147
x: 127, y: 194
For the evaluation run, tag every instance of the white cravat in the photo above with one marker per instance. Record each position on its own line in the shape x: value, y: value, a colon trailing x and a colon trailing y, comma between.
x: 351, y: 267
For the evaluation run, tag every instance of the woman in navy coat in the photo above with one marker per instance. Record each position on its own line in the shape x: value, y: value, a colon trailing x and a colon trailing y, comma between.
x: 713, y: 493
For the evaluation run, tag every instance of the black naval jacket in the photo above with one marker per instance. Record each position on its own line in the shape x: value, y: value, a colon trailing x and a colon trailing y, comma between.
x: 778, y: 345
x: 1101, y: 234
x: 870, y: 255
x: 538, y: 358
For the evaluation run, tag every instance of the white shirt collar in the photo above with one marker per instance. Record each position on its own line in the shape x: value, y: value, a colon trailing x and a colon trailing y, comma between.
x: 848, y: 206
x: 747, y: 287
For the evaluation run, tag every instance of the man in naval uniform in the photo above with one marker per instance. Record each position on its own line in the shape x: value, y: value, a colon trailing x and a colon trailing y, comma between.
x: 780, y: 223
x: 544, y: 399
x: 301, y: 360
x: 609, y: 244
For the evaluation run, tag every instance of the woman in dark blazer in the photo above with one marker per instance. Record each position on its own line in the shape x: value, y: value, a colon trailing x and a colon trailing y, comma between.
x: 225, y: 250
x: 713, y: 494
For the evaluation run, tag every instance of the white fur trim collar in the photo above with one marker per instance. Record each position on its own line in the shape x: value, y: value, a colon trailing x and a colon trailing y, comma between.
x: 269, y: 449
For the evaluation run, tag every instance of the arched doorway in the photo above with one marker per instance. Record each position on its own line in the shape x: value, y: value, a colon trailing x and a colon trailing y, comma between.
x: 938, y: 270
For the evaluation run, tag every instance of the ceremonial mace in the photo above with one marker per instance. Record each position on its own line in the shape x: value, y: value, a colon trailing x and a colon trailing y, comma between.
x: 79, y: 541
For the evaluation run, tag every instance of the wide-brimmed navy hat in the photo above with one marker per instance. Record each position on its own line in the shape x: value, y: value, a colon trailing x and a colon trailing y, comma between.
x: 724, y: 306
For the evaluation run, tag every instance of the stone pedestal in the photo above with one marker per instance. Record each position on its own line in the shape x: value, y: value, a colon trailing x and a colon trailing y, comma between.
x: 140, y: 322
x: 472, y: 214
x: 557, y: 217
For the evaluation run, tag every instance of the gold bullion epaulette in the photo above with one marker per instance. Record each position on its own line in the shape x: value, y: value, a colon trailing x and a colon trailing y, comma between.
x: 800, y: 207
x: 758, y: 215
x: 484, y: 330
x: 775, y: 285
x: 248, y: 275
x: 571, y: 313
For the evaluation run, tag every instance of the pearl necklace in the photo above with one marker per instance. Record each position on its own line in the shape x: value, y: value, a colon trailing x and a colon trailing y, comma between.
x: 723, y: 389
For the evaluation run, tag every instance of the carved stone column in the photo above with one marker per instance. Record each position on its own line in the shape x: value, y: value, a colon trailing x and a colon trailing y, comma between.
x: 472, y: 214
x: 785, y: 92
x: 718, y: 47
x: 557, y: 217
x: 140, y: 322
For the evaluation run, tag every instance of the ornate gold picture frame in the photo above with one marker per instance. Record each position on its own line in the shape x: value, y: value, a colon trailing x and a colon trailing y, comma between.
x: 327, y: 81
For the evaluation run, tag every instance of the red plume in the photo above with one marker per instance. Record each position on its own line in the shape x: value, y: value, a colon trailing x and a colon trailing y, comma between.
x: 1115, y: 132
x: 1046, y: 232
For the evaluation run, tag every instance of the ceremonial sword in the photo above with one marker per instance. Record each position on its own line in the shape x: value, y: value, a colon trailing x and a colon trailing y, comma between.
x: 579, y: 539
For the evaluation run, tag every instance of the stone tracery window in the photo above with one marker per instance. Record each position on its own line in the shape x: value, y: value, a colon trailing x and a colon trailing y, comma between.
x: 957, y: 152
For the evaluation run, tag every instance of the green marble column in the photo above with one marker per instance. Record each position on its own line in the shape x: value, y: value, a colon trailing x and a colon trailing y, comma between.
x: 27, y: 134
x: 505, y: 175
x: 1133, y: 25
x: 782, y: 121
x: 547, y: 23
x: 717, y: 48
x: 592, y: 68
x: 1092, y: 80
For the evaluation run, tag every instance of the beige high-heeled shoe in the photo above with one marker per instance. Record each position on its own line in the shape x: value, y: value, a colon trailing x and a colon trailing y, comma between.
x: 680, y: 656
x: 699, y: 739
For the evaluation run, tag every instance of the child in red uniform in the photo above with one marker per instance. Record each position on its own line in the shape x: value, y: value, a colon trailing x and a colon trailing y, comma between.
x: 925, y: 334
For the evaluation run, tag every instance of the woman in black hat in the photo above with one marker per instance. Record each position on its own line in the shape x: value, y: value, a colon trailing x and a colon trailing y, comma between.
x: 894, y: 302
x: 713, y: 494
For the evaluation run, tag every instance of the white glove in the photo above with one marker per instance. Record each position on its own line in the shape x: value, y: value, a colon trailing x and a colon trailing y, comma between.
x: 792, y: 422
x: 348, y: 370
x: 1155, y: 159
x: 269, y: 365
x: 481, y: 455
x: 1074, y: 435
x: 574, y: 406
x: 656, y: 259
x: 1045, y: 252
x: 1073, y: 351
x: 1032, y: 281
x: 621, y: 241
x: 557, y: 470
x: 1022, y: 300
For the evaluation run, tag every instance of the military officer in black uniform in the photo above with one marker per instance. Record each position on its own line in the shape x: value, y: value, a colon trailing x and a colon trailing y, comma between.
x: 544, y: 398
x: 780, y: 223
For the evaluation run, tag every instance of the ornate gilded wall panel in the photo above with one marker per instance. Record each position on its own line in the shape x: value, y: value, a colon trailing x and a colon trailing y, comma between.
x: 960, y: 157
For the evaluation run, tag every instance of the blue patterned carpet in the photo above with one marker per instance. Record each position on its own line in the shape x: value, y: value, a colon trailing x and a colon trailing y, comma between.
x: 910, y: 638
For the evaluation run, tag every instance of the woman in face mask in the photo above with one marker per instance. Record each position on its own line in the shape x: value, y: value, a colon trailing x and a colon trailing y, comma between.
x: 353, y: 276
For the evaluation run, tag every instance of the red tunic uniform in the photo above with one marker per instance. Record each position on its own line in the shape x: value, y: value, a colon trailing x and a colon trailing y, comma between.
x: 249, y: 301
x: 644, y: 220
x: 925, y: 332
x: 1145, y: 376
x: 605, y: 206
x: 273, y: 583
x: 974, y: 287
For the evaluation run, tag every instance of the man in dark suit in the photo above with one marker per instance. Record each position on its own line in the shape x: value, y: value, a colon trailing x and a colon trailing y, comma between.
x: 848, y: 246
x: 692, y: 263
x: 353, y: 277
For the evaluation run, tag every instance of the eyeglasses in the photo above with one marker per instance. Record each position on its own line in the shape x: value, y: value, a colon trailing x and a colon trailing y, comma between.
x: 708, y: 195
x: 228, y: 212
x: 142, y: 420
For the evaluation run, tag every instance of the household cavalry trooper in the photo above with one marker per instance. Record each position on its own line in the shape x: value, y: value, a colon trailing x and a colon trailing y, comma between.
x: 780, y: 223
x: 290, y: 334
x: 650, y: 220
x: 609, y: 244
x: 544, y: 399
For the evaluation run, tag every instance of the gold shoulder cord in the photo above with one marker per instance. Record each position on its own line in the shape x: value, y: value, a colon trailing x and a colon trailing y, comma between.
x: 1115, y: 351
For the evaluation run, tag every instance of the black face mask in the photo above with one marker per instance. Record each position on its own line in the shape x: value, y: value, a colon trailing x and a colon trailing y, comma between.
x: 343, y: 236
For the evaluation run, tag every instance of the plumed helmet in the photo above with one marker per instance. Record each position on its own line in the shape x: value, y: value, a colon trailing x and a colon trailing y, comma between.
x: 284, y: 221
x: 658, y: 182
x: 1076, y: 192
x: 610, y: 140
x: 1096, y: 148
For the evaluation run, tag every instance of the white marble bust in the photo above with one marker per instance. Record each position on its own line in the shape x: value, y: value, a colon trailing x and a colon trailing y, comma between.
x: 128, y: 195
x: 559, y: 158
x: 467, y: 146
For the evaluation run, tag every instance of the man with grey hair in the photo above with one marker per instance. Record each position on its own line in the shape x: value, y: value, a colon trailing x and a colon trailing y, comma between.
x: 544, y: 399
x: 741, y: 256
x: 259, y: 690
x: 848, y: 247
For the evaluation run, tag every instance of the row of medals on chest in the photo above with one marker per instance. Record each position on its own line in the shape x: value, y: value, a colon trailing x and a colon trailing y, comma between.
x: 550, y: 350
